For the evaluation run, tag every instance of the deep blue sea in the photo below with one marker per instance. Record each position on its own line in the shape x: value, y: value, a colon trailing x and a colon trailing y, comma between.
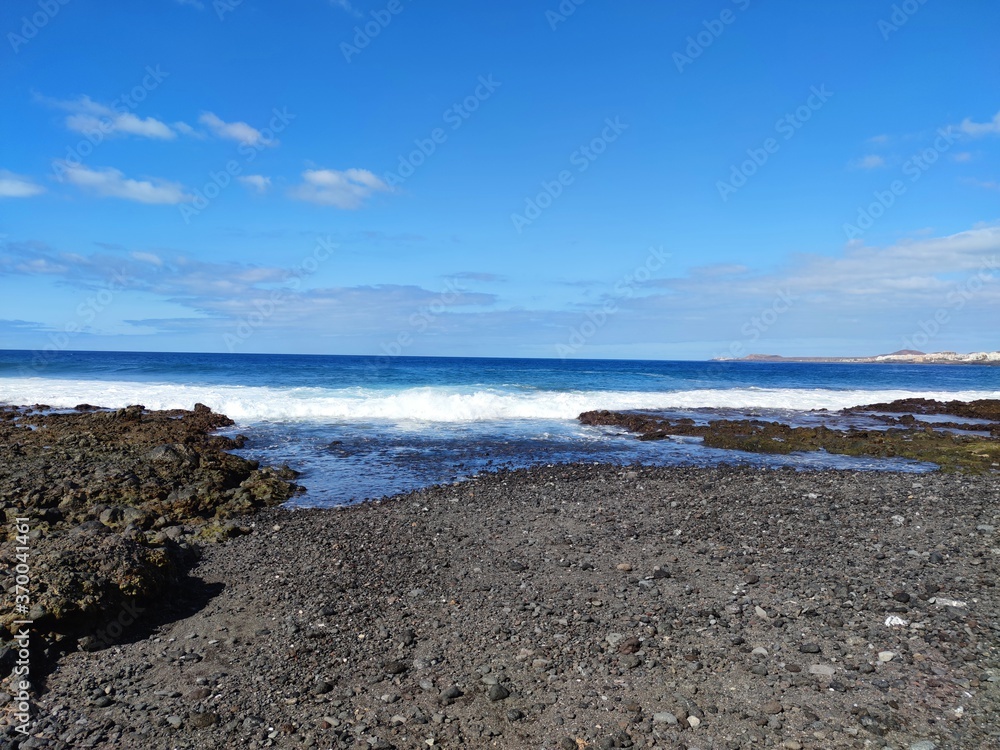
x: 364, y: 427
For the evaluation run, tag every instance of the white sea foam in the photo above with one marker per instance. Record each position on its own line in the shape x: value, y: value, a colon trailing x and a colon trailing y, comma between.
x: 431, y: 404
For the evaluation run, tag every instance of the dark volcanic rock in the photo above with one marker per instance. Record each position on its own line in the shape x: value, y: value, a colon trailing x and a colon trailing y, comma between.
x: 113, y: 503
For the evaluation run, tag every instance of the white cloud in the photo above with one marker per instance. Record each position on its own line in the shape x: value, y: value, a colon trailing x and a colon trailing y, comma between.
x: 235, y: 131
x: 911, y: 272
x: 347, y: 189
x: 150, y: 258
x: 871, y: 161
x: 976, y: 129
x: 112, y: 183
x: 962, y: 156
x: 89, y: 116
x: 185, y: 129
x: 879, y: 140
x: 985, y: 184
x: 16, y: 186
x: 346, y: 6
x: 257, y: 182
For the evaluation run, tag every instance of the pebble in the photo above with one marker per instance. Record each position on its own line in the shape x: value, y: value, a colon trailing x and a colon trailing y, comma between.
x: 924, y: 745
x: 498, y: 693
x: 773, y: 707
x: 664, y: 717
x: 203, y: 720
x: 694, y: 722
x: 822, y: 669
x: 885, y: 656
x: 809, y: 648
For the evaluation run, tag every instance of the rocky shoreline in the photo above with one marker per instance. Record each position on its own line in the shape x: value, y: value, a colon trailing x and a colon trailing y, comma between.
x: 954, y: 445
x: 557, y: 607
x: 113, y: 504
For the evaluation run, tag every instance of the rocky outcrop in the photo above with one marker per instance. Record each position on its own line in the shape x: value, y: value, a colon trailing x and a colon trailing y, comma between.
x: 105, y: 511
x: 908, y: 438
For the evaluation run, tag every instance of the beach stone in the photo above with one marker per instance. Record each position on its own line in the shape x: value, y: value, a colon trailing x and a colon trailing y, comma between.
x: 693, y: 721
x: 886, y: 656
x: 664, y: 717
x: 822, y: 669
x: 203, y: 720
x: 924, y: 745
x: 396, y: 667
x: 498, y: 693
x: 773, y: 707
x: 809, y: 648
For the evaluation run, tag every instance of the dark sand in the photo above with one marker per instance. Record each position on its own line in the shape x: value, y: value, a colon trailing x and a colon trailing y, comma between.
x: 573, y: 607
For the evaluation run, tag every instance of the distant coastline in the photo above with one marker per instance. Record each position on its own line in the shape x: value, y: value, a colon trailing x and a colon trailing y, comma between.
x: 905, y: 356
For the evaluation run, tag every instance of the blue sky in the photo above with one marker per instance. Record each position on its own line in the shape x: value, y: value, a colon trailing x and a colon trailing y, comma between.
x: 577, y: 179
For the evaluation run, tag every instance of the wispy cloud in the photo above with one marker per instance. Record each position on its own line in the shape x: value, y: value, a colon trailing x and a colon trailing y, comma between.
x: 256, y: 182
x: 871, y: 161
x: 193, y: 3
x: 978, y: 129
x: 347, y: 189
x: 346, y: 6
x: 911, y: 273
x: 87, y: 116
x: 985, y: 184
x: 218, y: 293
x: 112, y: 183
x: 15, y: 186
x: 234, y: 131
x: 478, y: 276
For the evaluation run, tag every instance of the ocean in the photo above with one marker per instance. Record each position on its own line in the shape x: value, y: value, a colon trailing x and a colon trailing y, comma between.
x: 366, y: 427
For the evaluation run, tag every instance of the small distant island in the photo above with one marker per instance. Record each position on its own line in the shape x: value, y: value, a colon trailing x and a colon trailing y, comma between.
x: 904, y: 356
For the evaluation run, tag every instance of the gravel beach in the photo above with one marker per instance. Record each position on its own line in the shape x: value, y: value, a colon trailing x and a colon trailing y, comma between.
x: 572, y: 607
